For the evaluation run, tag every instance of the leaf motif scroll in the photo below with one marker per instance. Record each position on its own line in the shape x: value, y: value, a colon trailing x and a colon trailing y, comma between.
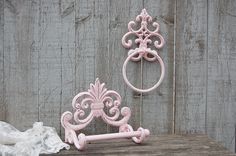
x: 143, y: 37
x: 95, y: 100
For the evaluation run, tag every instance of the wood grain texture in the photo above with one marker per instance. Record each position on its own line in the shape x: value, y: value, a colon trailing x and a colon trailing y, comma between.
x: 221, y: 101
x: 68, y: 61
x: 164, y: 145
x: 89, y: 29
x: 2, y: 90
x: 191, y: 63
x: 102, y: 71
x: 157, y: 105
x: 20, y: 62
x: 120, y: 13
x: 52, y: 50
x: 50, y: 63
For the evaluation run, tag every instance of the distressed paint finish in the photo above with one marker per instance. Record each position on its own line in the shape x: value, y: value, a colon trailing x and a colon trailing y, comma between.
x: 157, y: 105
x: 191, y: 63
x: 88, y: 24
x: 50, y: 50
x: 94, y: 101
x: 49, y: 69
x: 84, y: 48
x: 143, y: 40
x: 68, y: 76
x: 221, y: 100
x: 21, y: 62
x: 120, y: 13
x: 100, y: 23
x: 102, y: 66
x: 2, y: 87
x: 163, y: 145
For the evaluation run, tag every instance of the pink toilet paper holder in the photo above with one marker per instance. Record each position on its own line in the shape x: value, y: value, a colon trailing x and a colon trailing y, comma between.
x: 96, y: 99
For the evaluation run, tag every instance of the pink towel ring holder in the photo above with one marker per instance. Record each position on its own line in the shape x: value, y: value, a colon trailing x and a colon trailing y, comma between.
x: 143, y: 39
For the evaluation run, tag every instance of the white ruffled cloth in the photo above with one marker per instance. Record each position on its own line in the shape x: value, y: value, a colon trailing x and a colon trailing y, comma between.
x: 37, y: 140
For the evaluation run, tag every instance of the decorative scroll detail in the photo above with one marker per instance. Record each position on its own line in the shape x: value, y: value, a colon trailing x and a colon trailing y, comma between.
x: 143, y: 37
x: 95, y: 100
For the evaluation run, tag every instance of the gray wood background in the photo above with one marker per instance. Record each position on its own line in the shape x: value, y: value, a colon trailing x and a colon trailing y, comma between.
x: 52, y: 49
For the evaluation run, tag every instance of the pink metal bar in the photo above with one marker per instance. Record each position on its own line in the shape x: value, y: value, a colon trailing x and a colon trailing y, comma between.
x: 94, y: 101
x: 144, y: 38
x: 117, y: 135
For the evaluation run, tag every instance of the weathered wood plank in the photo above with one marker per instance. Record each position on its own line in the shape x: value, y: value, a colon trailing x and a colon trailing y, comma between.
x: 221, y: 102
x: 101, y: 68
x: 87, y: 26
x: 191, y: 64
x: 67, y: 13
x: 164, y: 145
x: 157, y: 105
x: 50, y: 63
x: 120, y: 13
x: 100, y: 35
x: 2, y: 92
x: 21, y: 62
x: 51, y: 50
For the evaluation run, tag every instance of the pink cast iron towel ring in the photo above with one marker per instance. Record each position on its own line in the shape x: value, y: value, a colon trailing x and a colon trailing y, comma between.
x: 143, y: 39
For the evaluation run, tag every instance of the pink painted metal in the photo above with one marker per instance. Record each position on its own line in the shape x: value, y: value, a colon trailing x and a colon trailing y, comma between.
x: 94, y: 101
x: 143, y: 39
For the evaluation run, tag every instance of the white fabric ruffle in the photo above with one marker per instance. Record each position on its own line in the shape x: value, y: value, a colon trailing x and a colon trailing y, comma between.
x: 37, y: 140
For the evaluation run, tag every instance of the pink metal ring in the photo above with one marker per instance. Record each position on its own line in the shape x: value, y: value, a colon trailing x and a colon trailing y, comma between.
x: 144, y: 39
x: 153, y: 87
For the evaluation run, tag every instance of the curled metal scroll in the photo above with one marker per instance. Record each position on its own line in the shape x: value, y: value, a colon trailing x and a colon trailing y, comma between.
x: 94, y: 101
x: 143, y: 39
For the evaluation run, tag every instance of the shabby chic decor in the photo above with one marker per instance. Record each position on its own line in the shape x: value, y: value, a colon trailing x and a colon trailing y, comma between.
x: 35, y: 141
x: 94, y: 101
x: 144, y: 38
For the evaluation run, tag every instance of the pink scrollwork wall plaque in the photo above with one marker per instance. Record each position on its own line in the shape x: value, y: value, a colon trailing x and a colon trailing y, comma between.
x: 94, y: 101
x: 144, y: 38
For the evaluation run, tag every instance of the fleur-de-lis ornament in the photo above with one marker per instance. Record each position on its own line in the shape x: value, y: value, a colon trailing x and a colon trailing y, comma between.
x: 95, y: 100
x: 144, y: 39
